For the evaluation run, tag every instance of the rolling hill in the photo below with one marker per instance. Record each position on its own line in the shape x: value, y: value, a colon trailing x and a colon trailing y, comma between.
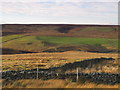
x: 21, y: 38
x: 100, y: 31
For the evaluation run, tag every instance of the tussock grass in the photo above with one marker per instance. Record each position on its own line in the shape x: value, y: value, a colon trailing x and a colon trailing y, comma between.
x: 47, y: 60
x: 55, y: 83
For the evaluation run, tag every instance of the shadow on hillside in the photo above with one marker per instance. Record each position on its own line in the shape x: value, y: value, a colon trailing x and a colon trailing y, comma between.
x: 65, y: 29
x: 12, y: 51
x: 11, y: 33
x: 82, y: 64
x: 87, y: 48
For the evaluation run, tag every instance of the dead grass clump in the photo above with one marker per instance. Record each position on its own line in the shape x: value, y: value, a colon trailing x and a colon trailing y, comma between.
x: 55, y: 83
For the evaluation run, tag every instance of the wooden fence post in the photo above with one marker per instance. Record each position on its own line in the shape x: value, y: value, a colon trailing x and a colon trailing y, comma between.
x: 77, y: 75
x: 37, y: 71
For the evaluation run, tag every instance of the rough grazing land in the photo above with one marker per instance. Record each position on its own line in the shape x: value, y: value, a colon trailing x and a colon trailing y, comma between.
x: 49, y: 56
x: 13, y: 44
x: 47, y: 60
x: 59, y: 73
x: 56, y: 72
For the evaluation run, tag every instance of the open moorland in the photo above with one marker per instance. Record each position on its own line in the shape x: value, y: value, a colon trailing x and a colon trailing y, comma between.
x: 49, y: 60
x: 56, y: 50
x: 96, y: 31
x: 64, y: 62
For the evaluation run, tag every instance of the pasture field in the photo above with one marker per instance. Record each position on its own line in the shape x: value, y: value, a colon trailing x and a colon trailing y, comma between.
x: 54, y: 43
x: 10, y: 37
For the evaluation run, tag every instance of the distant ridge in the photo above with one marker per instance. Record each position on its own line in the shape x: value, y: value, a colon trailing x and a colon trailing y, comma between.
x: 60, y: 24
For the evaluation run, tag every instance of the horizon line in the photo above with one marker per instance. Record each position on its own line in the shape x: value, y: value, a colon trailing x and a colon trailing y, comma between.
x: 64, y: 23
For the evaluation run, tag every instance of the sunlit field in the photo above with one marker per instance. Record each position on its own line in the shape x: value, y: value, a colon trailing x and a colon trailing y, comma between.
x: 47, y: 60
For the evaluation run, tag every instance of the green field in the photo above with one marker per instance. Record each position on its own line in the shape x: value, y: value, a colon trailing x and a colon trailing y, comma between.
x: 77, y: 41
x: 10, y: 37
x: 41, y: 43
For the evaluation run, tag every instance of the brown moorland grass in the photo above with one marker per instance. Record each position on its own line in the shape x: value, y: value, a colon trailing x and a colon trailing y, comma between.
x: 54, y: 83
x: 48, y: 60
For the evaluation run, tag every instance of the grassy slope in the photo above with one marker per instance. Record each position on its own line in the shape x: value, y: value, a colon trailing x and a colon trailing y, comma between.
x: 40, y: 43
x: 9, y: 37
x: 47, y: 60
x: 29, y: 43
x: 77, y: 41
